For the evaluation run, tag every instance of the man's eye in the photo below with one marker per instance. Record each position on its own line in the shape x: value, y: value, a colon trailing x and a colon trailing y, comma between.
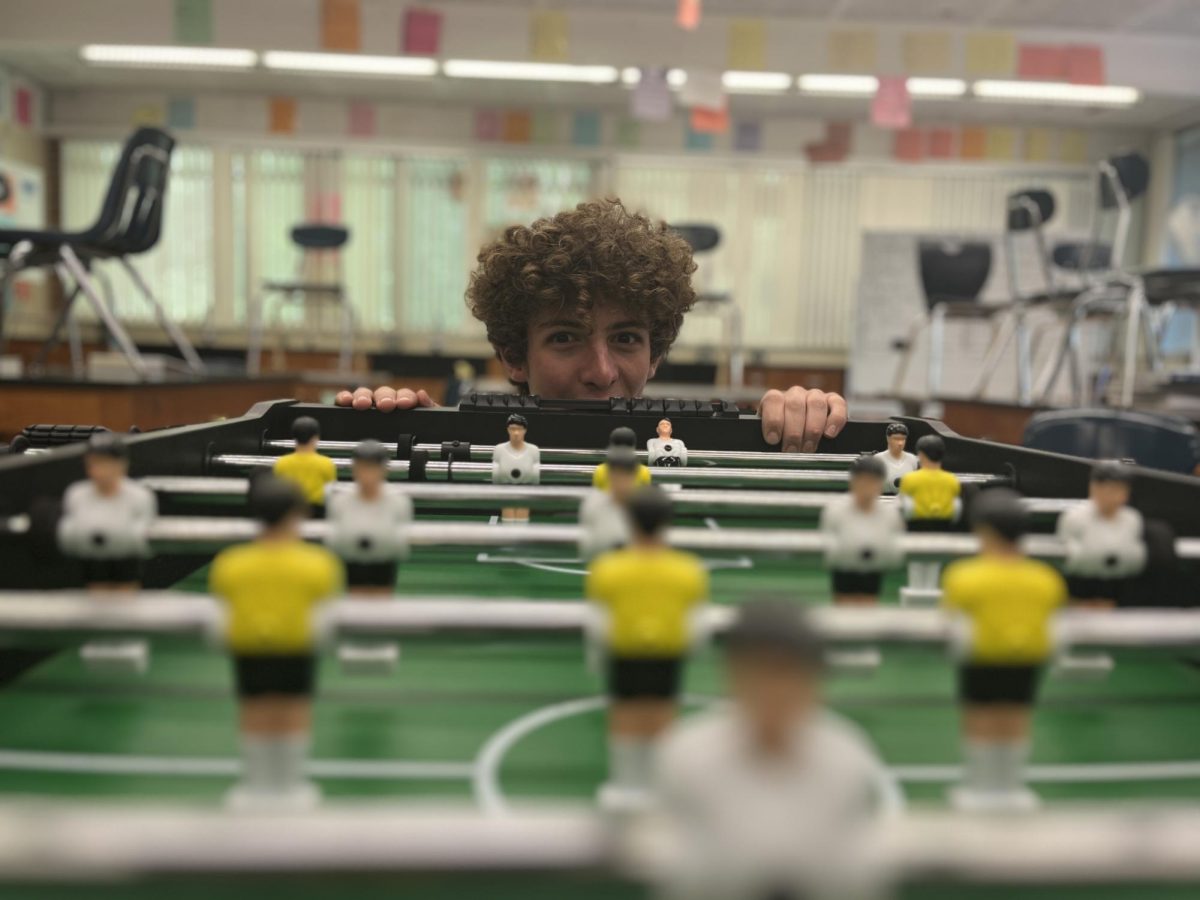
x: 628, y: 337
x: 562, y: 337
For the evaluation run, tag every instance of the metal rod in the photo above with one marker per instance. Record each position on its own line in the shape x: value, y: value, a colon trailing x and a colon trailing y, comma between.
x: 183, y: 613
x: 558, y: 497
x: 576, y: 474
x: 483, y: 453
x: 174, y: 532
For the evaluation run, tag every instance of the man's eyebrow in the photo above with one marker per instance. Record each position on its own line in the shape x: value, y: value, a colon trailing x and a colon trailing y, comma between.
x: 630, y: 323
x: 561, y: 323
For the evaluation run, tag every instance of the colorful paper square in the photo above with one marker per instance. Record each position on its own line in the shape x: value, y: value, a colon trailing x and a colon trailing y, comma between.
x: 518, y: 127
x: 550, y: 41
x: 362, y: 120
x: 282, y: 119
x: 585, y: 129
x: 747, y: 137
x: 422, y: 32
x: 489, y: 125
x: 193, y: 22
x: 341, y: 26
x: 700, y: 141
x: 747, y: 45
x: 181, y: 113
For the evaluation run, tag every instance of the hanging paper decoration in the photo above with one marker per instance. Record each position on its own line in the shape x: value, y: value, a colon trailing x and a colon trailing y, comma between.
x: 710, y: 121
x: 991, y: 54
x: 687, y: 15
x: 696, y: 140
x: 153, y: 115
x: 1042, y: 62
x: 361, y: 119
x: 629, y: 133
x: 941, y: 143
x: 488, y: 125
x: 854, y: 50
x: 703, y: 88
x: 546, y: 127
x: 650, y: 100
x: 193, y: 22
x: 181, y: 113
x: 422, y: 32
x: 748, y: 44
x: 892, y: 106
x: 747, y: 137
x: 834, y: 147
x: 1039, y: 145
x: 341, y: 25
x: 1002, y: 144
x: 585, y: 129
x: 974, y: 142
x: 517, y: 127
x: 909, y: 145
x: 282, y: 115
x: 549, y: 38
x: 1085, y: 65
x: 927, y: 53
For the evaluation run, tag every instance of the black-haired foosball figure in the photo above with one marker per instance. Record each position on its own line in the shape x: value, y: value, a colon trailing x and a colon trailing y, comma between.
x: 271, y: 587
x: 105, y: 526
x: 897, y: 461
x: 1009, y: 602
x: 305, y: 466
x: 931, y: 500
x: 516, y: 461
x: 368, y: 530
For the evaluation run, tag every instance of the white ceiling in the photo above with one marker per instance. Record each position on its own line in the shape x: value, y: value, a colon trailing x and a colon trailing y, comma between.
x: 1179, y: 18
x: 58, y: 66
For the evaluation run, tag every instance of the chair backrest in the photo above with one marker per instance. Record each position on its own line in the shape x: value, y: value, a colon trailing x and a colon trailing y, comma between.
x: 130, y: 220
x: 1030, y: 208
x: 1151, y: 439
x: 1132, y: 174
x: 701, y: 238
x: 953, y: 272
x: 320, y: 237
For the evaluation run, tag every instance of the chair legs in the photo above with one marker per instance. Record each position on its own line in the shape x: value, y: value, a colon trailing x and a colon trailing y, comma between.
x: 937, y: 349
x: 111, y: 322
x: 190, y: 356
x: 908, y: 348
x: 1002, y: 336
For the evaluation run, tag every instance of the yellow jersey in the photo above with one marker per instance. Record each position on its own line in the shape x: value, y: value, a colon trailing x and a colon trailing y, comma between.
x: 1010, y: 603
x: 933, y: 492
x: 270, y: 589
x: 600, y: 476
x: 648, y: 594
x: 311, y: 471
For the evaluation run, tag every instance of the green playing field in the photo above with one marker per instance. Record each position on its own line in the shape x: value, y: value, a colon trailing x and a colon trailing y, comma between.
x: 498, y: 723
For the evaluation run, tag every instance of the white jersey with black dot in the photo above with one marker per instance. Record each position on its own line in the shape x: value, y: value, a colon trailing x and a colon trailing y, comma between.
x: 858, y: 541
x: 94, y: 526
x: 510, y: 466
x: 603, y: 524
x: 748, y: 823
x: 660, y: 451
x: 1102, y: 548
x: 896, y: 468
x: 368, y: 531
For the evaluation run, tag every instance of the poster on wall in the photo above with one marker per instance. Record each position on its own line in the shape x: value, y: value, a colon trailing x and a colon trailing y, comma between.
x: 22, y: 196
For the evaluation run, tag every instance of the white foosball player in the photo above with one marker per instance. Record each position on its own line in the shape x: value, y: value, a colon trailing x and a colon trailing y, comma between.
x: 105, y: 525
x: 666, y: 449
x: 368, y: 530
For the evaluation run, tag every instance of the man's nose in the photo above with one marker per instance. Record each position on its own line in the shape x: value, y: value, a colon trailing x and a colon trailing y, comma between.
x: 599, y: 369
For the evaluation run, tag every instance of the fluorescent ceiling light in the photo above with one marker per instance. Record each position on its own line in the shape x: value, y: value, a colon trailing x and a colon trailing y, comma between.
x: 1057, y: 92
x: 631, y: 76
x: 528, y: 71
x: 159, y: 57
x: 937, y: 87
x: 838, y: 84
x: 756, y: 82
x: 349, y: 63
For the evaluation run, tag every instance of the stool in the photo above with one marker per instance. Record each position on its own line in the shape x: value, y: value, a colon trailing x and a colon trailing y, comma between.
x: 308, y: 238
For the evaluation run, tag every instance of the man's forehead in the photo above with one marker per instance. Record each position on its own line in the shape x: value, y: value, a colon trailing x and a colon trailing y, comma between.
x: 602, y: 315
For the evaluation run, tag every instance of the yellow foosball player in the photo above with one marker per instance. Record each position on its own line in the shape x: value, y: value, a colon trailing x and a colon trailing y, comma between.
x: 272, y: 587
x: 649, y: 593
x: 1009, y: 602
x: 620, y: 437
x: 305, y: 466
x: 931, y: 500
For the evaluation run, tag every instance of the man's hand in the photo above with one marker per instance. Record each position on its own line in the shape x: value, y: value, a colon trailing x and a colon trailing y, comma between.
x: 801, y: 417
x: 386, y: 399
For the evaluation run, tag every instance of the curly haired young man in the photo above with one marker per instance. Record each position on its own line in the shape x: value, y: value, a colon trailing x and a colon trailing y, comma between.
x: 586, y: 304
